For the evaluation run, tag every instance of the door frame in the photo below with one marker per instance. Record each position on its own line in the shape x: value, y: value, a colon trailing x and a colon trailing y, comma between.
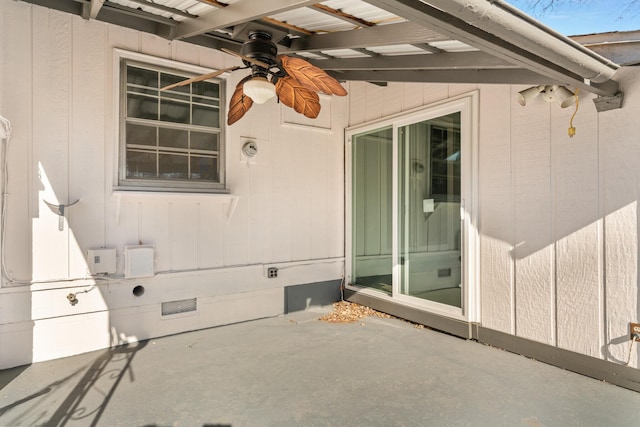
x: 467, y: 105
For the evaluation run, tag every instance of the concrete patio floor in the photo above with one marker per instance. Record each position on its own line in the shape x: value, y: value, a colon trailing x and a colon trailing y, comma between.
x: 295, y: 370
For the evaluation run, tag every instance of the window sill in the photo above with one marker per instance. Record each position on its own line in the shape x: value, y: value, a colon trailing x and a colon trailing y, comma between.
x: 134, y: 196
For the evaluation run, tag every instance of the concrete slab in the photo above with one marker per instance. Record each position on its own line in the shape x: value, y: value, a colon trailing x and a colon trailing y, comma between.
x: 295, y: 370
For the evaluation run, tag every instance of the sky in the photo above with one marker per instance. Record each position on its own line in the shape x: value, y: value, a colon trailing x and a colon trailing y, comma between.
x: 578, y: 17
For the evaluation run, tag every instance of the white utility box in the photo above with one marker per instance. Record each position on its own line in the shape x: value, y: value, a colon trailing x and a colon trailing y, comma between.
x: 102, y: 261
x: 138, y: 261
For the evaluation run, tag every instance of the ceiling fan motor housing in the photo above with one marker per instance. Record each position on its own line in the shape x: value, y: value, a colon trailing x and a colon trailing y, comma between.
x: 260, y: 47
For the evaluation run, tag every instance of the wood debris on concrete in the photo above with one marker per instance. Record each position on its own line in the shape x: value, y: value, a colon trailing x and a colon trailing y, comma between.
x: 348, y: 312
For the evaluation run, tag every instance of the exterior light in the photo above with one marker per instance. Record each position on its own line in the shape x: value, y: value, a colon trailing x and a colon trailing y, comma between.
x: 259, y: 89
x: 550, y: 93
x: 528, y: 94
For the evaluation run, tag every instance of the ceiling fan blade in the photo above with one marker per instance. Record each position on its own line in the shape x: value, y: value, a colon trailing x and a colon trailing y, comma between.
x: 199, y: 78
x: 246, y: 58
x: 292, y: 94
x: 311, y: 76
x: 239, y: 104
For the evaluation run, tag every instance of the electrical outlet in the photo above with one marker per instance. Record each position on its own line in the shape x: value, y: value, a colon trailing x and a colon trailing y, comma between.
x: 634, y: 331
x: 272, y: 272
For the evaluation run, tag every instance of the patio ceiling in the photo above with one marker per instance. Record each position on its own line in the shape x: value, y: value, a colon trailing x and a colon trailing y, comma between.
x: 444, y: 41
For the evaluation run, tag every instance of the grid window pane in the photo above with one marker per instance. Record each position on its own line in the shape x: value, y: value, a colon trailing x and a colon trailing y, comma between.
x: 142, y: 107
x: 174, y: 138
x: 169, y: 79
x: 141, y: 164
x: 204, y: 168
x: 205, y: 116
x: 204, y: 141
x: 175, y: 112
x: 173, y: 166
x: 208, y: 89
x: 142, y: 77
x: 141, y: 135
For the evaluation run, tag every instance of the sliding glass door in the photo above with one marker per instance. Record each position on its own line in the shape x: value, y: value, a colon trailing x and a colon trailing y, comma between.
x: 429, y: 226
x: 409, y: 226
x: 372, y: 209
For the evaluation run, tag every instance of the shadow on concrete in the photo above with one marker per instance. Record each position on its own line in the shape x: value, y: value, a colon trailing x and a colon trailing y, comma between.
x: 85, y: 401
x: 8, y: 375
x: 203, y: 425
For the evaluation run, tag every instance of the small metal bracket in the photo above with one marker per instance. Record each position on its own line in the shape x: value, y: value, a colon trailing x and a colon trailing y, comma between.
x: 606, y: 103
x: 59, y: 210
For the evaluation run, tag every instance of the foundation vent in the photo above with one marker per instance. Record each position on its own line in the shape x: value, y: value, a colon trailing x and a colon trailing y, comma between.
x: 181, y: 306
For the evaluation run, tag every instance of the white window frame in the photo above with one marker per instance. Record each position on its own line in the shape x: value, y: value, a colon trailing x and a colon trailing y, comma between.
x: 177, y: 68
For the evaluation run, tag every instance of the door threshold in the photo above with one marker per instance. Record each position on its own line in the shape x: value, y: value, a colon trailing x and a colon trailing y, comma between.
x: 458, y: 328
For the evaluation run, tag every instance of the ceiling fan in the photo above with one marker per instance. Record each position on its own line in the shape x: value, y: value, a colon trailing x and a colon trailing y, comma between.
x: 294, y: 80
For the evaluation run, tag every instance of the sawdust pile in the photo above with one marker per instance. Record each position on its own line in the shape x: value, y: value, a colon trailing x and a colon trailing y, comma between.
x: 347, y: 312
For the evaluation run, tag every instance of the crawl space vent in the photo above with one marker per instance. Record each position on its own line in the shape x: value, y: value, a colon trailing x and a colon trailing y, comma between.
x: 181, y: 306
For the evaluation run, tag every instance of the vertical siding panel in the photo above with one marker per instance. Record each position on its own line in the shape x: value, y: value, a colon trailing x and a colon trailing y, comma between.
x: 392, y: 99
x: 184, y: 235
x: 336, y: 199
x: 123, y: 38
x: 534, y: 257
x: 282, y: 149
x: 155, y: 229
x: 87, y: 143
x: 357, y: 103
x: 496, y: 207
x: 260, y: 217
x: 16, y: 97
x: 575, y: 171
x: 214, y: 59
x: 126, y: 230
x: 435, y: 92
x: 236, y: 236
x: 212, y: 221
x: 259, y: 174
x: 412, y: 96
x: 620, y: 157
x: 154, y: 45
x: 300, y: 203
x: 460, y: 89
x: 51, y: 110
x: 185, y: 52
x: 319, y: 195
x: 374, y: 102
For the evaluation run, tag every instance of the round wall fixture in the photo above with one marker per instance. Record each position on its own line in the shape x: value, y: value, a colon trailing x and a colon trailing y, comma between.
x: 250, y: 149
x: 138, y: 290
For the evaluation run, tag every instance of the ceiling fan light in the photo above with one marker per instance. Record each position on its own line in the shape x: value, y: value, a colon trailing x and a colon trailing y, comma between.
x: 259, y: 89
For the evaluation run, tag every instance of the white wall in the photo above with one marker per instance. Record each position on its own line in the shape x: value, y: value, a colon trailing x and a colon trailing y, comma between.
x: 558, y: 216
x: 57, y: 89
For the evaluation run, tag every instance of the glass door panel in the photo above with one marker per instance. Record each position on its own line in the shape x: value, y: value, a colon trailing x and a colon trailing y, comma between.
x: 429, y: 224
x: 372, y: 195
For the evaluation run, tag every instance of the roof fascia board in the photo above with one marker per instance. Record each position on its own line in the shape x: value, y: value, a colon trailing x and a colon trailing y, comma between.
x: 383, y: 35
x: 496, y: 76
x: 236, y: 13
x: 438, y: 61
x: 458, y: 29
